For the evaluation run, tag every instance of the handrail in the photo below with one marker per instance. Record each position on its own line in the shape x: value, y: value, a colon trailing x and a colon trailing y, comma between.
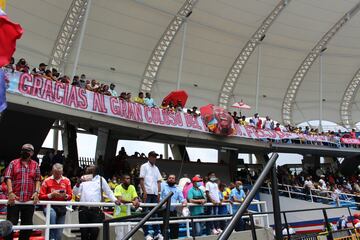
x: 348, y: 195
x: 166, y: 200
x: 269, y: 165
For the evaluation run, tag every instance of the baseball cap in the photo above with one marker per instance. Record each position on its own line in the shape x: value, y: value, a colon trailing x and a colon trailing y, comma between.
x: 42, y: 65
x: 28, y: 146
x: 153, y: 153
x: 196, y: 179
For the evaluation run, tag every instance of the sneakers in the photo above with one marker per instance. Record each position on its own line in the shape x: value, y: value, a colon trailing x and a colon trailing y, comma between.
x: 215, y: 232
x: 149, y: 237
x: 159, y: 237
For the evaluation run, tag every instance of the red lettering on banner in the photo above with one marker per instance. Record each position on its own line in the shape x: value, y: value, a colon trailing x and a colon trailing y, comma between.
x: 72, y: 100
x: 130, y: 111
x: 138, y: 112
x: 155, y: 113
x: 123, y: 111
x: 58, y: 98
x: 171, y: 118
x: 99, y: 103
x: 189, y: 119
x: 37, y: 86
x: 83, y: 103
x: 147, y: 113
x: 48, y: 92
x: 164, y: 117
x: 178, y: 120
x: 249, y: 131
x: 23, y: 86
x: 113, y: 106
x: 65, y: 95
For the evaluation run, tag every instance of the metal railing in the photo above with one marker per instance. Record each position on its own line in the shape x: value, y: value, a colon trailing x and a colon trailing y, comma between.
x: 260, y: 207
x: 312, y: 194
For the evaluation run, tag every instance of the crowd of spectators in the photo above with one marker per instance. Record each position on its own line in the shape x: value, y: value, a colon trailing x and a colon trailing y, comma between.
x: 322, y: 186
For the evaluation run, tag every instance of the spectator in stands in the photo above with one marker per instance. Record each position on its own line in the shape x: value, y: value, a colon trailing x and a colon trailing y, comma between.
x: 235, y: 117
x: 56, y: 188
x: 126, y: 194
x: 113, y: 183
x: 179, y: 107
x: 93, y: 86
x: 76, y: 81
x: 128, y: 97
x: 164, y: 105
x: 197, y: 196
x: 353, y: 133
x: 82, y: 81
x: 195, y: 112
x: 237, y: 196
x: 48, y: 75
x: 55, y: 73
x: 268, y: 124
x: 123, y: 96
x: 105, y: 90
x: 243, y: 121
x: 171, y: 106
x: 308, y: 186
x: 3, y: 193
x: 22, y: 66
x: 22, y: 178
x: 112, y: 90
x: 277, y: 128
x: 183, y: 181
x: 90, y: 190
x: 212, y: 194
x: 149, y: 101
x: 222, y: 209
x: 177, y: 197
x: 10, y: 67
x: 140, y: 98
x: 150, y: 179
x: 40, y: 71
x: 65, y: 79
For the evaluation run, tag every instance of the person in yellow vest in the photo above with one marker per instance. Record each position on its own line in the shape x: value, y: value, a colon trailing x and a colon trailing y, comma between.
x: 113, y: 183
x: 125, y: 193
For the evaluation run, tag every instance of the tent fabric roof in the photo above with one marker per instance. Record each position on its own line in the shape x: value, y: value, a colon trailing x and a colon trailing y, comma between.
x: 121, y: 34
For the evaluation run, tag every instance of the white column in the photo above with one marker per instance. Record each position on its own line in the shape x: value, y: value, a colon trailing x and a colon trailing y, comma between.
x: 258, y: 79
x: 182, y: 54
x: 81, y: 40
x: 321, y: 92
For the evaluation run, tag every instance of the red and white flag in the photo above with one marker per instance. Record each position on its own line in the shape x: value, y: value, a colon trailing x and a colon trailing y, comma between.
x: 9, y: 33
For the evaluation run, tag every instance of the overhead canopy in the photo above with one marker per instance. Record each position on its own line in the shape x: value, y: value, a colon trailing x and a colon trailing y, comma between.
x: 121, y: 35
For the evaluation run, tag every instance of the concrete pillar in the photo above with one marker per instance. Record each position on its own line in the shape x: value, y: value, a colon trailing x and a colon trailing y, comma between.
x: 179, y: 152
x: 69, y: 136
x: 311, y: 161
x: 230, y: 158
x: 105, y: 150
x: 166, y: 151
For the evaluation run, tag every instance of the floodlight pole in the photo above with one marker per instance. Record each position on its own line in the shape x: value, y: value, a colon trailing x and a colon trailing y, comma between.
x: 321, y: 91
x: 258, y: 79
x: 81, y: 39
x: 181, y: 54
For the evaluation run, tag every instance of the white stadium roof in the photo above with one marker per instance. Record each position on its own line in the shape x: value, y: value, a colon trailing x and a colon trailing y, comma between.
x: 122, y: 34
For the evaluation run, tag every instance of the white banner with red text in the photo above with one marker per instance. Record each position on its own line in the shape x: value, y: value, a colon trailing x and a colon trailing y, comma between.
x: 80, y: 99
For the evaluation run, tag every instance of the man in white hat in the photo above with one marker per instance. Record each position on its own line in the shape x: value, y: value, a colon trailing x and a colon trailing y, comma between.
x: 22, y: 178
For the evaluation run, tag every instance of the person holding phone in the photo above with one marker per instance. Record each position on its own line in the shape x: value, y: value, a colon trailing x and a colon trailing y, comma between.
x: 56, y: 188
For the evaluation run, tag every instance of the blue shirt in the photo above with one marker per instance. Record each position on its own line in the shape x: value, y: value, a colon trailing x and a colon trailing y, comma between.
x: 239, y: 194
x: 177, y: 197
x: 149, y: 102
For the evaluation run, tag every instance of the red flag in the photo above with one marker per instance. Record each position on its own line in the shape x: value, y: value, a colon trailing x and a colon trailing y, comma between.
x: 9, y: 33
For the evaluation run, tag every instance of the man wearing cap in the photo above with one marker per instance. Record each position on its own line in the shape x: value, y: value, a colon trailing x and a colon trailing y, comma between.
x: 40, y: 70
x: 22, y: 178
x: 150, y: 179
x: 197, y: 196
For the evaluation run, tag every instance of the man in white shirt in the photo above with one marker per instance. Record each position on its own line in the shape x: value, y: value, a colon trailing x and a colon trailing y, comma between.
x: 90, y: 190
x: 213, y: 195
x: 150, y: 179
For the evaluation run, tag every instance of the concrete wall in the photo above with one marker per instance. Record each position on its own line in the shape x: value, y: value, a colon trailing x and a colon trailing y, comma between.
x: 191, y: 168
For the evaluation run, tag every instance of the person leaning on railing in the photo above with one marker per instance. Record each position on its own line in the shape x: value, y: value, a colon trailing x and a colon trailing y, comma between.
x: 22, y: 178
x: 56, y: 188
x: 197, y: 196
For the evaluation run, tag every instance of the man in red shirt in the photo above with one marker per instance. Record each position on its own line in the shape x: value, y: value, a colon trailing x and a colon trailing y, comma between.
x: 22, y: 178
x: 56, y: 188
